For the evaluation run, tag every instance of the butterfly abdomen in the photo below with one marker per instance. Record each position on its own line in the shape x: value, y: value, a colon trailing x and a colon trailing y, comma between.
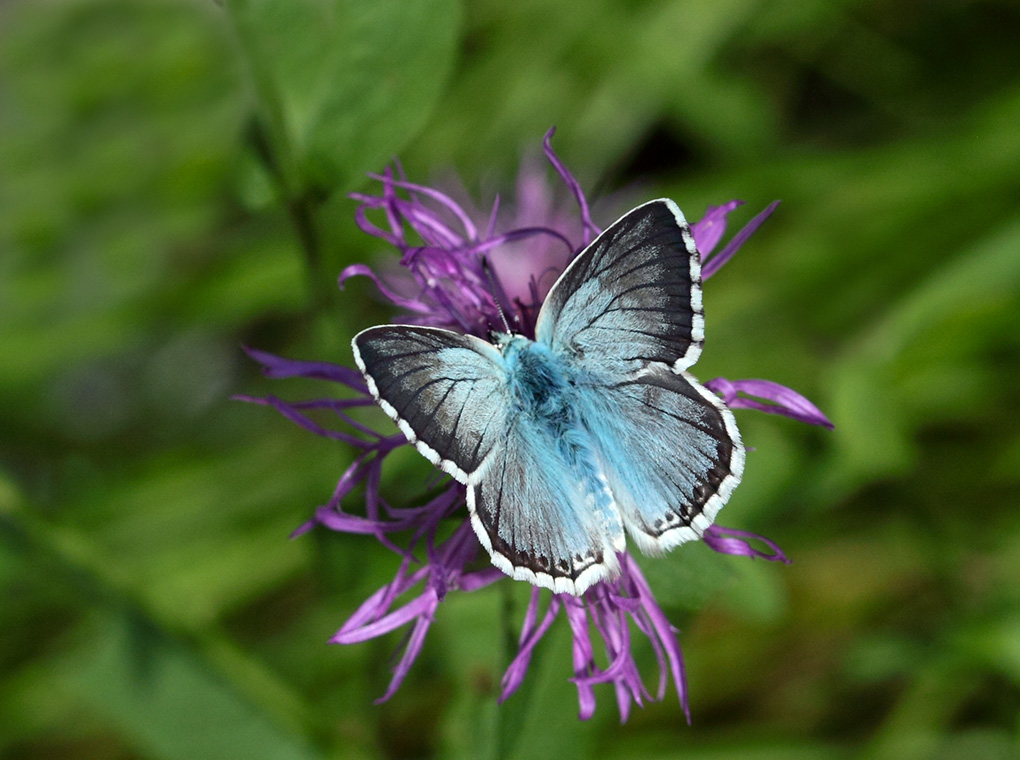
x: 545, y: 395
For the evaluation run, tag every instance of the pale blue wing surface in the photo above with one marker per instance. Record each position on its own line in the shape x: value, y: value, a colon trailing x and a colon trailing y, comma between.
x: 631, y: 297
x: 669, y: 449
x: 538, y: 519
x: 446, y: 391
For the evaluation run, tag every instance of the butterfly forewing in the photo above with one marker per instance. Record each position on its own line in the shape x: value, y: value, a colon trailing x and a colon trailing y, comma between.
x: 446, y: 391
x: 631, y: 297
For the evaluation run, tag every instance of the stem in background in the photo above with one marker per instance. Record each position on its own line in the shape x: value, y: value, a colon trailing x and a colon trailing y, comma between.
x: 301, y: 207
x: 302, y: 216
x: 511, y: 715
x: 501, y: 747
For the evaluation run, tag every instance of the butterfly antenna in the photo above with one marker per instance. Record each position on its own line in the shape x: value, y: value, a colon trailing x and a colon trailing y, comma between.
x: 492, y: 289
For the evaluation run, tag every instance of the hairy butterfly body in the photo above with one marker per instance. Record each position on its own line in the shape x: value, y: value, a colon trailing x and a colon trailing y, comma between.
x: 592, y: 430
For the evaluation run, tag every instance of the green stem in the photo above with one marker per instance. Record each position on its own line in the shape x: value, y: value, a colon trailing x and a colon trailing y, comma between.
x: 302, y: 217
x: 301, y: 209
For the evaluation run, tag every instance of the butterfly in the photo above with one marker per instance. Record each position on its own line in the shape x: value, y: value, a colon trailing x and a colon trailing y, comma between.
x: 594, y: 429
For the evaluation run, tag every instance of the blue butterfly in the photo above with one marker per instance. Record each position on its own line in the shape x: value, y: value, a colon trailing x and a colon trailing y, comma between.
x: 593, y: 427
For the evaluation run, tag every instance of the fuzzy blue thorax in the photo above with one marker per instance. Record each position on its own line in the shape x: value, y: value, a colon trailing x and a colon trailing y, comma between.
x: 538, y: 382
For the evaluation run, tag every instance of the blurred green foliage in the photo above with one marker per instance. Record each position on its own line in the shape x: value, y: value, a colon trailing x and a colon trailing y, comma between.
x: 173, y: 180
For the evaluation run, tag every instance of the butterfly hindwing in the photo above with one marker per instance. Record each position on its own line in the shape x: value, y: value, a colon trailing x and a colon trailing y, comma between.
x: 538, y: 521
x: 670, y: 452
x: 631, y: 297
x: 446, y: 391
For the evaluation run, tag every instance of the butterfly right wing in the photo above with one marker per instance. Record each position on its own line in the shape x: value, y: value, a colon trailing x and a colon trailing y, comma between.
x: 626, y: 315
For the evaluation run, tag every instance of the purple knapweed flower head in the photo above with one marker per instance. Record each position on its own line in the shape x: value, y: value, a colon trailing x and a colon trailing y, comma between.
x: 455, y: 266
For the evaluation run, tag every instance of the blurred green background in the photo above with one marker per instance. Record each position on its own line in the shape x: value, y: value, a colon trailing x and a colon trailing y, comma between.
x: 173, y: 180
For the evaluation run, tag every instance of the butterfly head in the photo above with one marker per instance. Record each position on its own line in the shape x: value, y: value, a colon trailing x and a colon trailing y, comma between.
x: 501, y: 339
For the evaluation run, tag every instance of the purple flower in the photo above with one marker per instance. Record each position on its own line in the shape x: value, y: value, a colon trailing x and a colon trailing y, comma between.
x: 442, y: 281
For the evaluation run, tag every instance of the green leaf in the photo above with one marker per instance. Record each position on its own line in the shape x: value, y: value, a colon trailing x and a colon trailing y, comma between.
x: 877, y: 405
x: 688, y: 577
x: 547, y: 726
x: 164, y: 699
x: 343, y: 84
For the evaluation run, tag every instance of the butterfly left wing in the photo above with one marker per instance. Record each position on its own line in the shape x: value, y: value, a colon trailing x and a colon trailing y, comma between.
x: 447, y: 392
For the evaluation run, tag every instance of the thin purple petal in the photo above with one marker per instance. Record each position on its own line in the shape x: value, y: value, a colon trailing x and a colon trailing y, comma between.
x: 278, y: 367
x: 781, y: 400
x: 715, y: 263
x: 303, y: 528
x: 361, y: 270
x: 737, y: 543
x: 411, y: 652
x: 708, y: 230
x: 584, y: 656
x: 346, y: 523
x: 337, y: 406
x: 433, y: 230
x: 665, y: 631
x: 361, y: 219
x: 469, y: 227
x: 590, y: 230
x: 521, y: 234
x: 376, y: 606
x: 292, y: 414
x: 480, y: 579
x: 355, y: 473
x: 518, y: 668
